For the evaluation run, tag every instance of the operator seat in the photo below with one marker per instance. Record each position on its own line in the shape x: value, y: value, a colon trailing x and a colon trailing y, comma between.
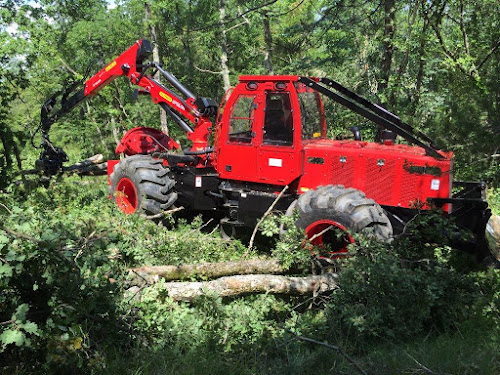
x: 274, y: 124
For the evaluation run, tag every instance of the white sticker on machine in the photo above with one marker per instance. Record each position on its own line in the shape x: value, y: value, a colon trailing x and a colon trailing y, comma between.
x: 275, y: 162
x: 197, y: 181
x: 435, y: 184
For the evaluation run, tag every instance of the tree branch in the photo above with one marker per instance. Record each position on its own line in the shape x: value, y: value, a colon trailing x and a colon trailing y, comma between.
x: 6, y: 208
x: 250, y: 245
x: 68, y: 68
x: 20, y: 235
x: 206, y: 70
x: 250, y: 10
x: 492, y: 51
x: 207, y: 270
x: 245, y: 22
x: 164, y: 213
x: 446, y: 51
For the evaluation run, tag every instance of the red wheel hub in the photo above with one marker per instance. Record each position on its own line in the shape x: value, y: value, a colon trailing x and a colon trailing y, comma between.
x: 126, y: 196
x: 331, y: 233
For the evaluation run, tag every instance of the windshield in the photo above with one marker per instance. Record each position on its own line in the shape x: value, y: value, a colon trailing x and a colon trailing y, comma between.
x: 310, y: 113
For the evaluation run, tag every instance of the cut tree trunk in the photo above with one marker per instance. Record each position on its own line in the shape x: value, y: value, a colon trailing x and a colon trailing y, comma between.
x: 493, y: 235
x: 230, y: 286
x: 93, y: 166
x: 151, y: 274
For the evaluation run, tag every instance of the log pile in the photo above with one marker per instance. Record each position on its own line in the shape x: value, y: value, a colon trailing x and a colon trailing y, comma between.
x: 231, y: 279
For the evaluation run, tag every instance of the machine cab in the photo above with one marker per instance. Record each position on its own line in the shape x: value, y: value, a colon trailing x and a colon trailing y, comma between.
x: 260, y: 133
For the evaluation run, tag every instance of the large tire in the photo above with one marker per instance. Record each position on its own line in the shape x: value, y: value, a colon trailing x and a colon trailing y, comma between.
x: 346, y: 209
x: 142, y: 184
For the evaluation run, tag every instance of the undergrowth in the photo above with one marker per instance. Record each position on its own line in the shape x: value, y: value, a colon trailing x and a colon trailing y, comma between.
x: 413, y: 304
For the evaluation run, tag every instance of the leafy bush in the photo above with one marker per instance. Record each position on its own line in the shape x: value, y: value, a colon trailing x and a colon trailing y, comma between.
x: 64, y: 250
x: 494, y: 200
x: 415, y: 286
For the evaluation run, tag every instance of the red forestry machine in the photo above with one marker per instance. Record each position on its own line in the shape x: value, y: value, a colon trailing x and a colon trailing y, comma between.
x: 270, y: 132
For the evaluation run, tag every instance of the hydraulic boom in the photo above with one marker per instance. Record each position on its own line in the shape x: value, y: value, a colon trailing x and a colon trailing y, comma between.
x: 132, y: 64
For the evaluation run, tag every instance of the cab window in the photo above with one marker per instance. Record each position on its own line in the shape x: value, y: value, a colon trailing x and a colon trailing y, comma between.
x: 278, y: 121
x: 310, y: 114
x: 242, y: 118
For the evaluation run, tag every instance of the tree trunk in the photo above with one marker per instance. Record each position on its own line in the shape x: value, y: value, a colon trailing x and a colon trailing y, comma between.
x: 207, y: 270
x: 224, y: 47
x: 404, y: 61
x: 114, y: 129
x: 389, y: 29
x: 246, y: 284
x: 421, y: 66
x: 269, y: 44
x: 157, y: 58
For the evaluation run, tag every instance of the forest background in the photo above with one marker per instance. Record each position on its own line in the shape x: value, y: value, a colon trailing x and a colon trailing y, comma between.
x: 434, y: 63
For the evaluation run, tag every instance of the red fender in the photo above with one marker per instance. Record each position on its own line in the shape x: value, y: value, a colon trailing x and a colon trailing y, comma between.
x: 143, y: 140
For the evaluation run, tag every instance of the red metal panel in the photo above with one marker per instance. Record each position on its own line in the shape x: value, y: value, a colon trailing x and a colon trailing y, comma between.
x: 278, y: 166
x: 380, y: 175
x: 392, y: 175
x: 110, y: 167
x: 144, y: 140
x: 251, y: 78
x: 343, y: 169
x: 240, y: 163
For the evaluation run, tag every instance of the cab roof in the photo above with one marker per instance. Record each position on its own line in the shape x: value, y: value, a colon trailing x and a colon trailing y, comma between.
x: 281, y: 78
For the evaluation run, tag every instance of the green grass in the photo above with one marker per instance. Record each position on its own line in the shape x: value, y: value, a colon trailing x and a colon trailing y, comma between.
x: 472, y: 351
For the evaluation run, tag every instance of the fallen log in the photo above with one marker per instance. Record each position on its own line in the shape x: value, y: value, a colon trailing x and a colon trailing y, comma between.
x: 92, y: 166
x: 493, y: 235
x: 207, y: 270
x: 230, y: 286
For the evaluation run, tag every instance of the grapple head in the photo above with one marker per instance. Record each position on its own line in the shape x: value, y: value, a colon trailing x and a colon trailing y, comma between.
x: 51, y: 159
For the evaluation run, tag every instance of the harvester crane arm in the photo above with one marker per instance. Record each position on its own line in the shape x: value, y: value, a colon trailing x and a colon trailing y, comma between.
x: 132, y: 65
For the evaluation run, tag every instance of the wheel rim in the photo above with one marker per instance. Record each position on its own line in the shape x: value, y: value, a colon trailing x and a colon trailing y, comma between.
x: 126, y: 196
x: 329, y: 235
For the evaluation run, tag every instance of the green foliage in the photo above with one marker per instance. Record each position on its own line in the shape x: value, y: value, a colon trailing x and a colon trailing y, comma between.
x: 494, y: 200
x: 377, y: 287
x: 58, y: 296
x: 61, y: 262
x: 63, y: 250
x: 72, y: 316
x: 418, y: 285
x: 290, y: 248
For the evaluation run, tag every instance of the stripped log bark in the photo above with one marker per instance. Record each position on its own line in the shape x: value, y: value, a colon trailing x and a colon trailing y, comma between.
x: 207, y: 270
x: 231, y: 286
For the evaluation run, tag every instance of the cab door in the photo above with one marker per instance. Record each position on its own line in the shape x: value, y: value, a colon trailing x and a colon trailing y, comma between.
x: 280, y: 160
x: 237, y: 146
